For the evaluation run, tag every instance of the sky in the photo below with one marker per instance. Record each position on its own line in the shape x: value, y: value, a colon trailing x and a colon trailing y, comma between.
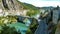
x: 42, y: 3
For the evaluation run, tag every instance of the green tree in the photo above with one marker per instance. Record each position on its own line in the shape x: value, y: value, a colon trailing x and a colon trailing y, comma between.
x: 9, y: 30
x: 32, y: 27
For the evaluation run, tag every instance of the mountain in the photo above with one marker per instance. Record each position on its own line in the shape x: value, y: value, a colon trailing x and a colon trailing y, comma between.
x: 50, y: 7
x: 14, y: 7
x: 33, y: 9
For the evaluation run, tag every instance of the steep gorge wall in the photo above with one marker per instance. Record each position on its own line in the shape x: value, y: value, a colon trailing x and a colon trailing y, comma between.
x: 12, y: 7
x: 10, y: 4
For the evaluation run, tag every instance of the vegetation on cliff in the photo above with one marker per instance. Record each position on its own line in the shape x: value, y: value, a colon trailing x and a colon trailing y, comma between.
x: 32, y: 9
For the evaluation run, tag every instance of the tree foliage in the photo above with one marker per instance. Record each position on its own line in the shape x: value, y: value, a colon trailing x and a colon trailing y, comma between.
x: 32, y: 27
x: 9, y: 30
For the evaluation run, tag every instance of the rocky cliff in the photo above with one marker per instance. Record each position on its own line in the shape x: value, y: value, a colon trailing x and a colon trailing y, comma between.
x: 14, y: 7
x: 10, y: 7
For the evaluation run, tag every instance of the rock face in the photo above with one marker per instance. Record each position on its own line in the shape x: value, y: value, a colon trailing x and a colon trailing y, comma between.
x: 11, y: 7
x: 10, y: 4
x: 58, y: 28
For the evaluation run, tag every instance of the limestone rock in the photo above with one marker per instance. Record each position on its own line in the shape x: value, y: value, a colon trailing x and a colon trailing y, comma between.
x: 11, y: 7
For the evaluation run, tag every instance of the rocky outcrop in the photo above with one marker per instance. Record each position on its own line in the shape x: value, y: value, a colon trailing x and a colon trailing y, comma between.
x: 11, y: 7
x: 11, y: 4
x: 58, y: 28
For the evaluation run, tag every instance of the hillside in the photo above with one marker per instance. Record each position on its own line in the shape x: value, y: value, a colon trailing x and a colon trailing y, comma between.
x: 15, y: 7
x: 32, y: 9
